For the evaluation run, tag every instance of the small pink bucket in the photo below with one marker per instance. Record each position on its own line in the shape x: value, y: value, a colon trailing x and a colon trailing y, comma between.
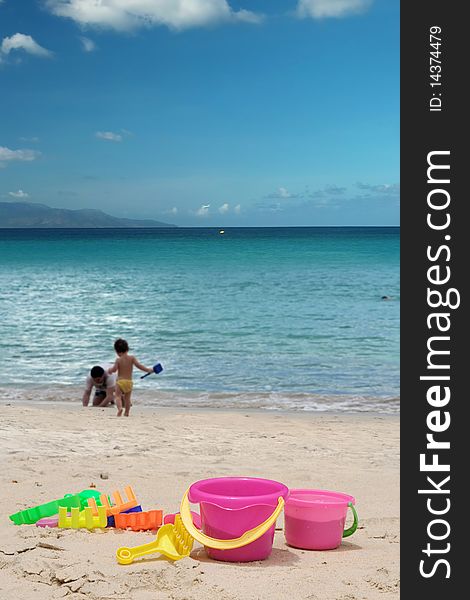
x: 314, y: 519
x: 230, y: 506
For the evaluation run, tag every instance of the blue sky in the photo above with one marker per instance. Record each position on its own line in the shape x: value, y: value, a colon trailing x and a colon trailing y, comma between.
x: 203, y: 112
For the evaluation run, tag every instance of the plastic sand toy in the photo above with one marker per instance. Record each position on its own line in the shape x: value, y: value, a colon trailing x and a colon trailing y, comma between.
x: 111, y: 522
x: 314, y: 519
x: 82, y: 519
x: 231, y: 515
x: 139, y: 521
x: 173, y: 541
x: 119, y: 505
x: 29, y: 516
x: 176, y: 541
x: 48, y: 522
x: 238, y: 516
x: 85, y: 495
x: 156, y: 369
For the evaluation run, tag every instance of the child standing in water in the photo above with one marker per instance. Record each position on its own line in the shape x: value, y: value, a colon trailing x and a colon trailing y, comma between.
x: 124, y: 365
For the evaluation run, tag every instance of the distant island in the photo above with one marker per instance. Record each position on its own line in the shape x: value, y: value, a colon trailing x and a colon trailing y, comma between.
x: 31, y: 215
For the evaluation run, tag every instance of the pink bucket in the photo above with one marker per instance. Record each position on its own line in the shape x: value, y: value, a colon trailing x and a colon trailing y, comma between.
x: 314, y: 519
x: 230, y: 506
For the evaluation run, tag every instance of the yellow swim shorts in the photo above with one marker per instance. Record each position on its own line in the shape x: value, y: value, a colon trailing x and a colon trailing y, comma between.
x: 125, y: 385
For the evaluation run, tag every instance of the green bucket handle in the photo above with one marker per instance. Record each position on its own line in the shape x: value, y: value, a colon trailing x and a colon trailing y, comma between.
x: 352, y: 529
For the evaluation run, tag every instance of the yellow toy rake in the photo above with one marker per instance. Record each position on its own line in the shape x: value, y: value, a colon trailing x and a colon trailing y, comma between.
x: 82, y: 519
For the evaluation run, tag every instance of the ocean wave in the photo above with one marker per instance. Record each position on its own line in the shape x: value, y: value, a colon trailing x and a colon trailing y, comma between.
x: 270, y: 401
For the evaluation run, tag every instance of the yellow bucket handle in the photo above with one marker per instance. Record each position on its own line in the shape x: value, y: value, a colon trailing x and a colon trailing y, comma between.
x: 243, y: 540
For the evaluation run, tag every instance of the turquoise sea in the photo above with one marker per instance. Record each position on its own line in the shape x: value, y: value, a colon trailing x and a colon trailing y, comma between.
x: 274, y: 318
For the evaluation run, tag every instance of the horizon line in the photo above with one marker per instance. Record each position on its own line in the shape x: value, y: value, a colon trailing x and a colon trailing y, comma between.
x: 173, y: 227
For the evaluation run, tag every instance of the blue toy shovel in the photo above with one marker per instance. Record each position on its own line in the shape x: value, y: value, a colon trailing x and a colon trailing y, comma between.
x: 156, y: 369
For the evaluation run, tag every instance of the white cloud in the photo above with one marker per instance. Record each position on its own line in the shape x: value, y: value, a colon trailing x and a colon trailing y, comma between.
x: 224, y: 208
x: 382, y: 188
x: 109, y: 136
x: 246, y: 16
x: 87, y: 44
x: 171, y: 211
x: 282, y: 193
x: 129, y: 14
x: 203, y: 210
x: 321, y: 9
x: 7, y: 155
x: 20, y: 41
x: 19, y: 194
x: 326, y: 192
x: 336, y: 190
x: 237, y: 209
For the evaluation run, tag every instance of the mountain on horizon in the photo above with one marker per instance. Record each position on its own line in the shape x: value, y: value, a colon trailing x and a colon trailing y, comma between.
x: 31, y: 215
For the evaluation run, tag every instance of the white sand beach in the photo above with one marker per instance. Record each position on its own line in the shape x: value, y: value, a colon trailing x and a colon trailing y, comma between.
x: 53, y: 449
